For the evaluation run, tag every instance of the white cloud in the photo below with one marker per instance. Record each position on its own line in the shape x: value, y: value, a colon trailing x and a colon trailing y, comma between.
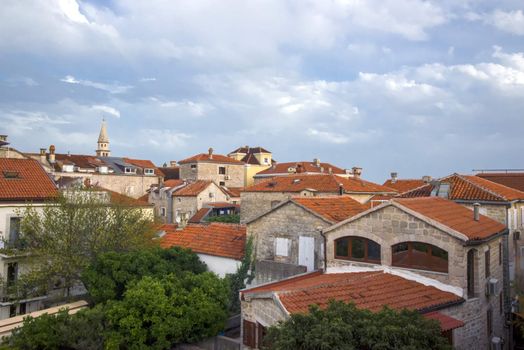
x: 107, y: 109
x: 511, y: 22
x: 163, y: 138
x: 111, y: 88
x: 327, y: 136
x: 71, y: 10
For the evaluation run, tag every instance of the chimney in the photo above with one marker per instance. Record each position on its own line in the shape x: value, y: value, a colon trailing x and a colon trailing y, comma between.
x: 340, y: 189
x: 394, y: 176
x: 43, y: 155
x: 184, y: 218
x: 210, y: 152
x: 476, y: 211
x: 426, y: 178
x: 321, y: 169
x: 3, y: 138
x: 52, y: 154
x: 357, y: 172
x: 172, y: 163
x: 330, y: 170
x: 317, y: 162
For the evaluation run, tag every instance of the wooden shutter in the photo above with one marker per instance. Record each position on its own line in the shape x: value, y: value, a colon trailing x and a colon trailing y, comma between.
x: 249, y: 333
x: 261, y: 333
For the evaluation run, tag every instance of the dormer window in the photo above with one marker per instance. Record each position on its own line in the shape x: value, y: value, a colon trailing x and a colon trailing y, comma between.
x: 68, y: 168
x: 129, y: 170
x: 266, y: 160
x: 10, y: 174
x: 149, y: 171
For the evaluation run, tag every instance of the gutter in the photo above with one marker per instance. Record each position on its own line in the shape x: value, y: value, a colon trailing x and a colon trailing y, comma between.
x: 475, y: 242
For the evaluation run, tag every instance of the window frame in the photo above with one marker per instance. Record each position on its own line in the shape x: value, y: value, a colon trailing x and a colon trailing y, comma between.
x: 349, y: 257
x: 428, y: 253
x: 222, y: 170
x: 487, y: 263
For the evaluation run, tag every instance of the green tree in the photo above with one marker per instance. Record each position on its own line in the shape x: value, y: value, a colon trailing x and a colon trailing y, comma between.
x: 158, y: 313
x: 64, y: 237
x: 83, y: 331
x: 343, y: 326
x: 244, y: 274
x: 232, y: 218
x: 106, y: 278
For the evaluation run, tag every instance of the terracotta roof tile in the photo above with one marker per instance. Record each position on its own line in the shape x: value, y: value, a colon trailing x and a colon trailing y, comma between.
x: 218, y: 239
x: 80, y: 160
x: 173, y: 183
x: 205, y: 157
x: 454, y: 216
x: 446, y: 322
x: 25, y: 180
x: 302, y: 167
x: 192, y: 189
x: 403, y: 185
x: 334, y: 209
x: 199, y: 215
x: 233, y: 191
x: 144, y: 163
x: 469, y: 187
x: 247, y: 149
x: 367, y: 290
x: 319, y: 182
x: 513, y: 180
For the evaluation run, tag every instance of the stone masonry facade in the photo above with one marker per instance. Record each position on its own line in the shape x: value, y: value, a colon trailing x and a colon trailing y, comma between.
x: 390, y: 226
x: 233, y: 177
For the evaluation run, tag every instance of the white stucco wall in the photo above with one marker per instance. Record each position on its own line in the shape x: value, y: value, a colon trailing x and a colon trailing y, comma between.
x: 220, y: 265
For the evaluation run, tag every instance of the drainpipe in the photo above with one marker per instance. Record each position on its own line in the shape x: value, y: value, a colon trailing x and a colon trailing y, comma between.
x: 506, y: 285
x: 325, y: 247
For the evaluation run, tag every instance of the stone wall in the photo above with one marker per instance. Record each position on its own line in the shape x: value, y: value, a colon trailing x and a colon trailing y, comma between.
x: 130, y: 185
x: 289, y: 222
x: 234, y: 176
x: 390, y: 226
x: 264, y: 311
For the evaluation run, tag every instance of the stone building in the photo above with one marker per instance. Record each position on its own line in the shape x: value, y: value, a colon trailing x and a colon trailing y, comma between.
x: 255, y: 159
x: 220, y: 246
x: 224, y: 171
x: 288, y: 237
x: 305, y: 168
x: 497, y: 201
x: 261, y: 197
x: 425, y: 254
x: 7, y: 151
x: 102, y: 149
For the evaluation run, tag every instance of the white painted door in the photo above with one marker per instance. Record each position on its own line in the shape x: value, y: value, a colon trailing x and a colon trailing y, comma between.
x: 306, y: 252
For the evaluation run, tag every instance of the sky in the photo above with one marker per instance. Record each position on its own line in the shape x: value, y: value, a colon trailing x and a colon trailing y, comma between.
x: 412, y: 86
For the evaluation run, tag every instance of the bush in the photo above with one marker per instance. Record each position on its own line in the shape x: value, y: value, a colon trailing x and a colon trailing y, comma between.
x: 232, y: 218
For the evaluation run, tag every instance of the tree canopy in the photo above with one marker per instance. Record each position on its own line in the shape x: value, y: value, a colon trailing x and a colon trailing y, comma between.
x: 343, y: 326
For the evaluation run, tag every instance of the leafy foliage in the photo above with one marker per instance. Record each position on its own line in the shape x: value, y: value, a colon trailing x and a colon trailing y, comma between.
x: 157, y: 313
x: 66, y: 236
x: 82, y: 331
x: 232, y: 218
x: 343, y: 326
x: 106, y: 278
x: 243, y: 275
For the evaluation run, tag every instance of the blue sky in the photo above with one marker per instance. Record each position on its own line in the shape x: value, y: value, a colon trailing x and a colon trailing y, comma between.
x: 417, y: 87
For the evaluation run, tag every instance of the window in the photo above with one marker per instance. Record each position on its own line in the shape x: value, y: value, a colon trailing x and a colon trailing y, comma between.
x: 193, y: 167
x: 14, y: 230
x: 129, y: 170
x: 420, y: 256
x: 222, y: 170
x: 443, y: 190
x: 266, y: 160
x: 12, y: 311
x: 357, y: 249
x: 282, y: 246
x: 12, y: 273
x: 222, y: 183
x: 149, y: 171
x: 471, y: 273
x: 163, y: 211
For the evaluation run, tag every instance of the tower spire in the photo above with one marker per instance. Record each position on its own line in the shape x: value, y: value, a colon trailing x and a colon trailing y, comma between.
x: 103, y: 141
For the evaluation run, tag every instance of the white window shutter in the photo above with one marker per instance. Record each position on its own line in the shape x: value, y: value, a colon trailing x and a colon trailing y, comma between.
x: 281, y: 246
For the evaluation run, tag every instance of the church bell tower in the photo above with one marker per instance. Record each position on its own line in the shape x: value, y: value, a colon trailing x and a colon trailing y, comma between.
x: 103, y: 142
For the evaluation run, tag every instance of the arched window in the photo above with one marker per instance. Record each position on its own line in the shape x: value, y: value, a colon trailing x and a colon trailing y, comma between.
x: 420, y: 256
x: 357, y: 249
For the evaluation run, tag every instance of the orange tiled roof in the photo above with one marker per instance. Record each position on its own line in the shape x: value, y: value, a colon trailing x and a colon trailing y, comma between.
x: 80, y: 160
x: 447, y: 323
x: 470, y: 187
x: 403, y: 185
x: 31, y: 183
x: 302, y: 167
x: 192, y: 189
x: 367, y: 290
x: 205, y: 157
x: 317, y: 182
x: 199, y: 215
x: 453, y: 215
x: 334, y: 209
x: 218, y: 239
x: 173, y: 183
x: 513, y: 180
